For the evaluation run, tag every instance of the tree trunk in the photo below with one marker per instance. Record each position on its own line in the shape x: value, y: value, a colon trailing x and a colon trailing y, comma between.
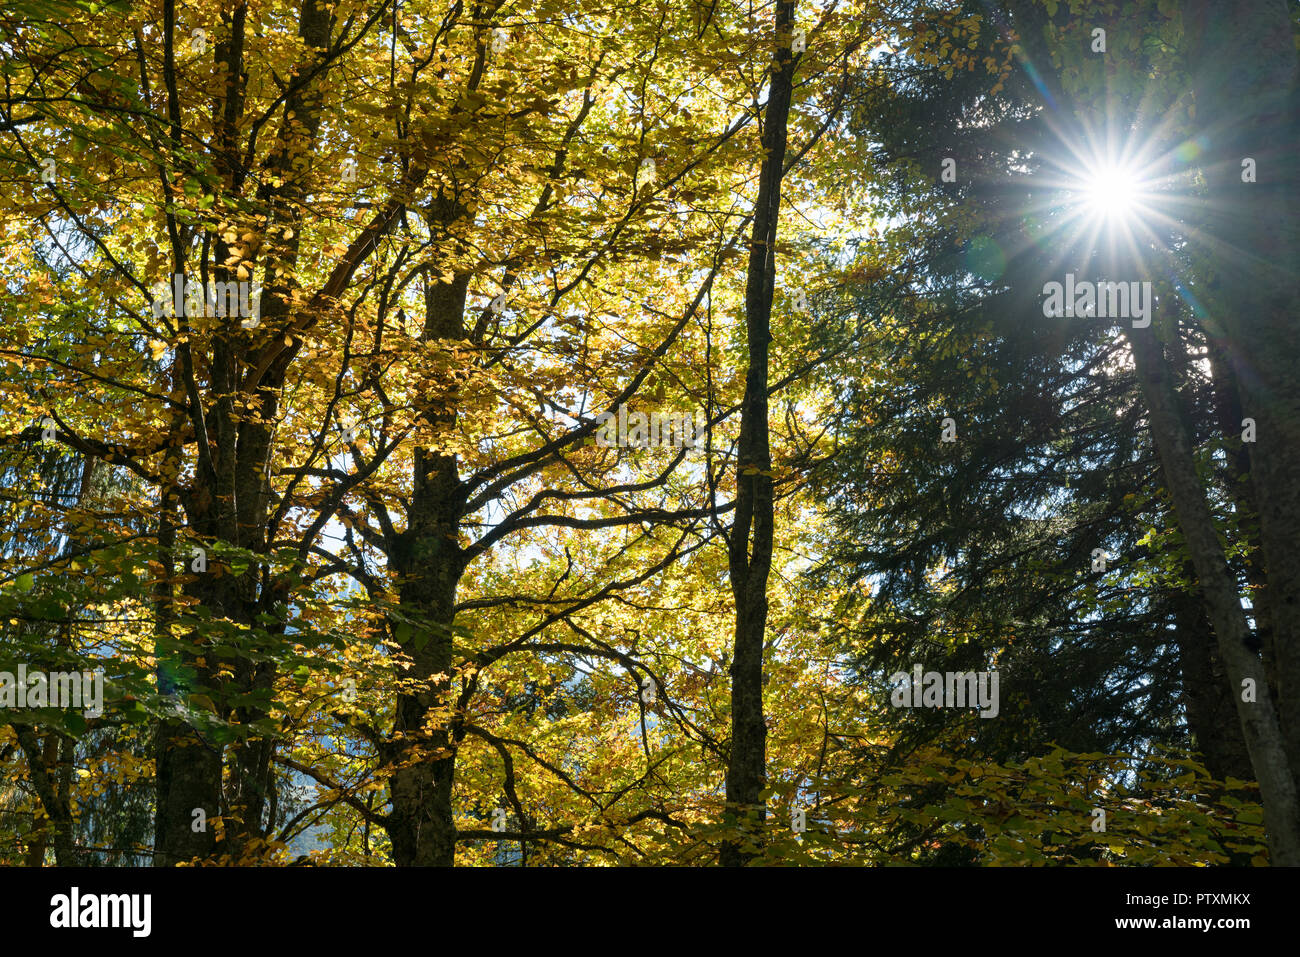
x: 1236, y: 479
x: 1246, y: 102
x: 1211, y: 714
x: 1259, y: 719
x: 53, y: 789
x: 1207, y: 696
x: 429, y: 561
x: 423, y: 751
x: 750, y: 546
x: 229, y: 501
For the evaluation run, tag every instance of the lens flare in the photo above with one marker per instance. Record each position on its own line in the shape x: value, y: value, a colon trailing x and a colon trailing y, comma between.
x: 1112, y: 192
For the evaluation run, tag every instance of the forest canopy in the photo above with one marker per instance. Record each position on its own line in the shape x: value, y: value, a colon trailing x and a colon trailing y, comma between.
x: 533, y: 433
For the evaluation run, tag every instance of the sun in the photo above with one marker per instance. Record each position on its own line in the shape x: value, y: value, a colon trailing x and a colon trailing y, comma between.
x: 1112, y: 191
x: 1108, y: 197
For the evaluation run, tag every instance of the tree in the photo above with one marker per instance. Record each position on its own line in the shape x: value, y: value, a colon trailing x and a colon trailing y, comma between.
x: 1004, y: 134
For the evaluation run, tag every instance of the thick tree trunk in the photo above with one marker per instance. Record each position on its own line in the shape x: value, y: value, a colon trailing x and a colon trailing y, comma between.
x: 53, y: 787
x: 423, y: 749
x: 1245, y: 92
x: 187, y: 777
x: 1259, y: 719
x: 429, y: 562
x: 750, y: 545
x: 1207, y: 696
x: 1211, y: 714
x: 230, y: 498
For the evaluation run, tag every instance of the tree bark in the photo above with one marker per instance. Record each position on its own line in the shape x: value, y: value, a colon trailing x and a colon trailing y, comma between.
x: 750, y: 545
x: 1259, y: 718
x: 51, y: 788
x: 229, y: 500
x: 1207, y: 696
x: 429, y: 562
x: 1246, y: 101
